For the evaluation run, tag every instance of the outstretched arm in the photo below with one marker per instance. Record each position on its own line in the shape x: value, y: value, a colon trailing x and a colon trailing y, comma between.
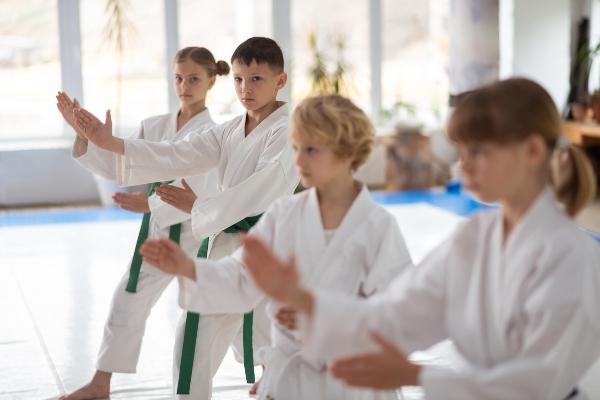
x: 97, y: 132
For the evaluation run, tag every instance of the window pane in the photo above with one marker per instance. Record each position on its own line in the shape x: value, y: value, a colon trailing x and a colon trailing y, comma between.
x: 29, y: 69
x: 335, y: 20
x: 415, y: 58
x: 134, y: 87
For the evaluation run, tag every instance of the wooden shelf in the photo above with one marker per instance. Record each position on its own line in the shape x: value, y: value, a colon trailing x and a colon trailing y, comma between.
x: 582, y: 134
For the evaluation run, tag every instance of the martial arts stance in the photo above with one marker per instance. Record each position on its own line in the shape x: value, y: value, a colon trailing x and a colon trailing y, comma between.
x: 195, y: 71
x: 255, y: 167
x: 516, y: 289
x: 343, y: 242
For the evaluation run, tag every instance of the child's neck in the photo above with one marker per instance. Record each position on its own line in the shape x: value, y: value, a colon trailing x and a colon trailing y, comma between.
x: 335, y: 199
x: 255, y: 117
x: 187, y: 112
x: 514, y: 207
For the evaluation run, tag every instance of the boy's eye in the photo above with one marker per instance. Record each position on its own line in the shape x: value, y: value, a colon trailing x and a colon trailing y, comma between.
x: 194, y: 79
x: 311, y: 150
x: 256, y: 78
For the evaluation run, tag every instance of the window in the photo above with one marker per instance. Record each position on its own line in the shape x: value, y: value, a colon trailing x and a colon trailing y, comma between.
x: 336, y: 22
x: 134, y: 87
x: 415, y: 39
x: 29, y: 69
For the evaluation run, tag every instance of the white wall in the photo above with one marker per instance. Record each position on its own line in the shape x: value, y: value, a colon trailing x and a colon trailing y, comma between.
x: 43, y: 176
x: 541, y: 44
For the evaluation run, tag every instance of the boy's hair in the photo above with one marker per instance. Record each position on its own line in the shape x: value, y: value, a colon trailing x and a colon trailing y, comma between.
x: 510, y: 111
x: 204, y: 58
x: 335, y: 122
x: 262, y: 50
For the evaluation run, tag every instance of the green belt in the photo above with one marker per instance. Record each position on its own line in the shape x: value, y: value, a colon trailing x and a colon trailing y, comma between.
x: 136, y: 262
x: 192, y: 320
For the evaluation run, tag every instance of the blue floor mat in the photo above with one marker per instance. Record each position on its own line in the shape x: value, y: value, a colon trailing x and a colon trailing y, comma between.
x: 67, y: 216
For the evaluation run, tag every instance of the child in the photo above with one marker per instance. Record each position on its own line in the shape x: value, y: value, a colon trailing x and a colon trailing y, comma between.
x: 195, y: 71
x: 516, y: 289
x: 343, y: 240
x: 255, y: 167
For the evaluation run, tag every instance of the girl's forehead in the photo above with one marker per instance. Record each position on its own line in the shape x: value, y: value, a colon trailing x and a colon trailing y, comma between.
x: 188, y: 67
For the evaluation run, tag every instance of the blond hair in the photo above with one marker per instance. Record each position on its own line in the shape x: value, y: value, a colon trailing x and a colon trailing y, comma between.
x: 338, y: 124
x: 204, y: 58
x: 510, y: 111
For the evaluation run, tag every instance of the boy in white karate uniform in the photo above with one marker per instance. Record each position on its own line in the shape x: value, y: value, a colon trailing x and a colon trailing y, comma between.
x: 195, y: 71
x: 254, y: 164
x: 517, y: 289
x: 343, y: 241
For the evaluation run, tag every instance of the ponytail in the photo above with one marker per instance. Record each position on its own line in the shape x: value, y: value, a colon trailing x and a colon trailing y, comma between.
x: 204, y: 58
x: 573, y: 178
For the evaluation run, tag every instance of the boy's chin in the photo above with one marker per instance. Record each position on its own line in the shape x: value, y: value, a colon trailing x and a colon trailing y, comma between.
x: 253, y: 106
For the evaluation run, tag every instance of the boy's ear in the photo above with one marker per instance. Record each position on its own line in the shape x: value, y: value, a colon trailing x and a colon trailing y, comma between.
x: 282, y: 80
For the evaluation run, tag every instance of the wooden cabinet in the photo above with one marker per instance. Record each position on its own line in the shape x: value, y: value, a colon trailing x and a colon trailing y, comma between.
x: 582, y: 134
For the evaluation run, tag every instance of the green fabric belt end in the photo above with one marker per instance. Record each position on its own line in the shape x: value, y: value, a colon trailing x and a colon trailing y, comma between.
x: 248, y: 350
x: 187, y: 353
x: 136, y: 261
x: 190, y: 335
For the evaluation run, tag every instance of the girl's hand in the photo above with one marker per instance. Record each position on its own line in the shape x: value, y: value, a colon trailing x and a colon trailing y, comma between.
x: 287, y: 316
x: 66, y: 106
x: 97, y: 132
x: 276, y: 279
x: 181, y: 199
x: 385, y: 370
x: 167, y: 256
x: 136, y: 202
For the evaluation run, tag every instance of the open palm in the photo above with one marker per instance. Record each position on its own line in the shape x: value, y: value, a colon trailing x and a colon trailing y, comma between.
x: 167, y: 256
x: 97, y: 132
x: 277, y: 279
x: 66, y: 107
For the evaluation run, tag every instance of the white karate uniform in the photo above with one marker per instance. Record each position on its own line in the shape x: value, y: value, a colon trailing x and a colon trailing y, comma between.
x: 253, y: 171
x: 523, y: 315
x: 124, y: 329
x: 365, y: 253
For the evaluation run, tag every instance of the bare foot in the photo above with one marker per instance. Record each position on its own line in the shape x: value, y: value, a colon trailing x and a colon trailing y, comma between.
x: 254, y: 387
x: 98, y: 388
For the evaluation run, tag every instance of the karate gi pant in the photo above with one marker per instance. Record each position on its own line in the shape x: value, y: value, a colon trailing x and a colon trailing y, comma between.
x: 126, y: 324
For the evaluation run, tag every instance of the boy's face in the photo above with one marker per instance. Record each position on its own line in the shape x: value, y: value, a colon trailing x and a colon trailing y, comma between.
x: 317, y: 165
x: 256, y: 85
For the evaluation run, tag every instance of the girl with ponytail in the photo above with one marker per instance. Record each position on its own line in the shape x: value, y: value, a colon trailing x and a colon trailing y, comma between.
x: 194, y: 74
